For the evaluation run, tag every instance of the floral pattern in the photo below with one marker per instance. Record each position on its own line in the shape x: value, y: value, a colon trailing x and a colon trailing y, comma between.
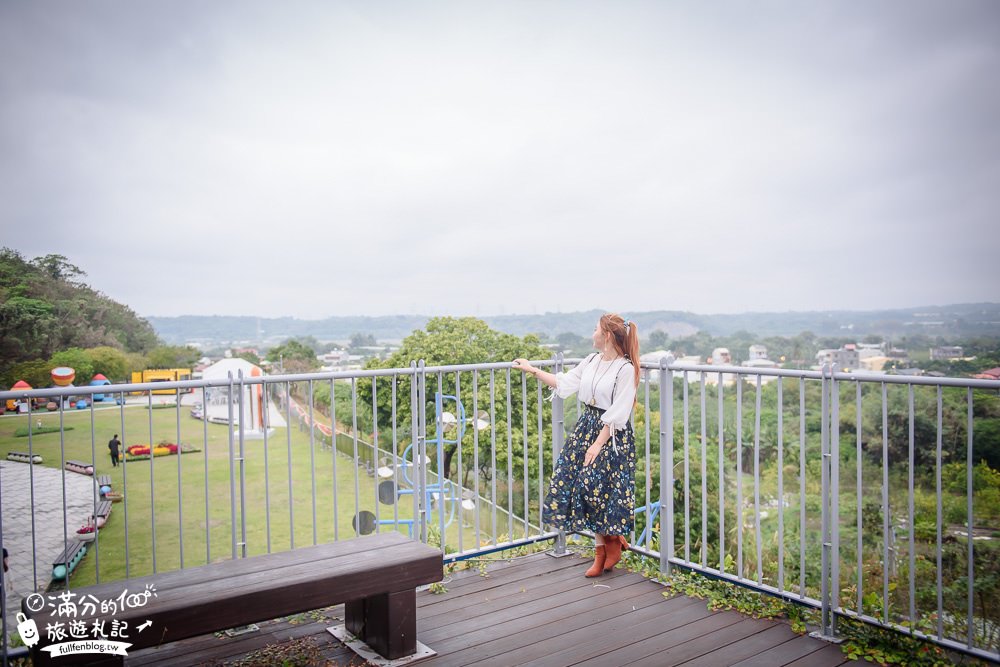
x: 599, y: 497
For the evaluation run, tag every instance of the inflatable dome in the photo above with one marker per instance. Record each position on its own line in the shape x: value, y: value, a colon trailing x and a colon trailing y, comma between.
x: 99, y: 381
x: 20, y: 384
x: 63, y: 376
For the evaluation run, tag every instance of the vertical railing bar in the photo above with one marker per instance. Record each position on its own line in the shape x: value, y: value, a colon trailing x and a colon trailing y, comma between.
x: 395, y: 453
x: 291, y: 497
x: 62, y: 469
x: 911, y: 462
x: 442, y: 477
x: 97, y: 489
x: 825, y: 540
x: 649, y: 457
x: 266, y: 417
x: 525, y: 451
x: 704, y: 473
x: 420, y: 448
x: 312, y: 459
x: 121, y: 416
x: 510, y: 464
x: 460, y: 499
x: 802, y: 488
x: 687, y: 471
x: 886, y: 565
x: 557, y: 407
x: 781, y: 483
x: 232, y: 470
x: 152, y: 478
x: 31, y: 491
x: 475, y: 454
x: 739, y: 477
x: 333, y: 458
x: 354, y: 442
x: 859, y: 491
x: 558, y: 439
x: 204, y: 447
x: 970, y: 522
x: 242, y: 468
x: 180, y: 491
x: 722, y: 476
x: 666, y: 465
x: 415, y: 449
x: 375, y: 452
x: 493, y: 457
x: 940, y: 513
x: 756, y: 482
x: 834, y: 502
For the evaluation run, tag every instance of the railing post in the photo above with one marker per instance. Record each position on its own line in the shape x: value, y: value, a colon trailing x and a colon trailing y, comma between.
x: 666, y: 463
x: 558, y: 438
x: 827, y: 630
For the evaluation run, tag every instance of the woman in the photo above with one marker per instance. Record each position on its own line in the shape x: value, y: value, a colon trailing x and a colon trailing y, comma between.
x: 593, y: 485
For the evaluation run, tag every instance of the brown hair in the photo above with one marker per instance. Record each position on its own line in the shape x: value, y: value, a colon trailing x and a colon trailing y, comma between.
x: 625, y: 337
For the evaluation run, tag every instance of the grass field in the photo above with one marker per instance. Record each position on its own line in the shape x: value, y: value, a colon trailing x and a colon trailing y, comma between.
x: 168, y: 527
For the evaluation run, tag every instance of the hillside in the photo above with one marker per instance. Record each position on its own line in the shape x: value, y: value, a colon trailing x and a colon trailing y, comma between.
x: 951, y: 321
x: 45, y: 308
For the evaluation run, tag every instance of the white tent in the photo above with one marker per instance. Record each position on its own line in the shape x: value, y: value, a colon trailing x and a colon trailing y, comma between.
x: 217, y: 398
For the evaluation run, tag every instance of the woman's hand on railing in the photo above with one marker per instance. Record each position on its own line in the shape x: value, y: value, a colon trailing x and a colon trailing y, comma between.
x: 524, y: 366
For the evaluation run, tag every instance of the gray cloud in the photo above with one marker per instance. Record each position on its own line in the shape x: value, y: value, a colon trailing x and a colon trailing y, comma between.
x: 313, y: 159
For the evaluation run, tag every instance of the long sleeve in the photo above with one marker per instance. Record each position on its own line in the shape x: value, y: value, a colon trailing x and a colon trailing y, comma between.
x: 618, y: 414
x: 568, y: 383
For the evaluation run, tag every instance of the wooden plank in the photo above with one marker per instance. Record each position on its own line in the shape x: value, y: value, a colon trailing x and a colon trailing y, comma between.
x: 758, y: 642
x: 482, y: 629
x: 477, y: 640
x: 628, y: 649
x: 828, y: 655
x: 705, y: 643
x: 454, y: 602
x: 782, y: 654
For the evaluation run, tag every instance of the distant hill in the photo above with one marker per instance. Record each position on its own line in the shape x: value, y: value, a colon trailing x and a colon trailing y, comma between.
x: 952, y: 321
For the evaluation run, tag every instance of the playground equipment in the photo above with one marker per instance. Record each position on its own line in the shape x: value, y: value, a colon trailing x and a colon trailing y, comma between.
x: 443, y: 495
x: 100, y: 381
x: 63, y: 376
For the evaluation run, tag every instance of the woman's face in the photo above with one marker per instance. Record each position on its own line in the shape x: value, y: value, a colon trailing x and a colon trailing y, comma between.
x: 599, y: 337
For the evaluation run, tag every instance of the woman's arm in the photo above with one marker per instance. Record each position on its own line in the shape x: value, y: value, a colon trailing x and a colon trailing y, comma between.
x: 595, y: 449
x: 525, y: 367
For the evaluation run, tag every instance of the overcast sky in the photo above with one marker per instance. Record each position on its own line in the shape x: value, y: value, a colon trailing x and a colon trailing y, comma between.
x: 477, y: 158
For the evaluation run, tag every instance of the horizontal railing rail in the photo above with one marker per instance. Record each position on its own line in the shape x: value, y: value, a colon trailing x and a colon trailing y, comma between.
x: 846, y: 492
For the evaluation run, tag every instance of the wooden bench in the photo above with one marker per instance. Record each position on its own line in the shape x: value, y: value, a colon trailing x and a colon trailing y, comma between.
x: 24, y: 457
x: 103, y: 480
x: 100, y: 517
x: 67, y: 561
x: 81, y: 467
x: 376, y: 577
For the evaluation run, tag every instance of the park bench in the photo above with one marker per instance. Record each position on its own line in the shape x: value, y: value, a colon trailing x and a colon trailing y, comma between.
x: 81, y: 467
x: 100, y: 517
x: 103, y: 480
x: 375, y: 577
x: 68, y: 559
x: 24, y: 457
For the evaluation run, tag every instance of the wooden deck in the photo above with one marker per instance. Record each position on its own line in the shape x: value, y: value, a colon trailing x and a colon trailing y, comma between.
x: 540, y: 610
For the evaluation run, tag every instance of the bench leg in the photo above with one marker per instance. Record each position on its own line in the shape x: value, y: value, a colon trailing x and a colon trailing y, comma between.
x: 387, y: 623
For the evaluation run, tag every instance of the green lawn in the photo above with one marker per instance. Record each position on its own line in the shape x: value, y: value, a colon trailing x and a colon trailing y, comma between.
x: 165, y: 494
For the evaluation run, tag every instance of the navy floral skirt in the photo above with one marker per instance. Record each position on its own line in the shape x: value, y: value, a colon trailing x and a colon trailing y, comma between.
x: 599, y: 497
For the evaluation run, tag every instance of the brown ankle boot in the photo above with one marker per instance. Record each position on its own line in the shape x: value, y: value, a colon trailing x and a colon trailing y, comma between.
x: 613, y: 546
x: 598, y: 567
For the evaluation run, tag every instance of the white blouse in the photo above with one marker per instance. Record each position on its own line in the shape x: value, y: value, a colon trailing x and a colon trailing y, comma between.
x: 594, y: 379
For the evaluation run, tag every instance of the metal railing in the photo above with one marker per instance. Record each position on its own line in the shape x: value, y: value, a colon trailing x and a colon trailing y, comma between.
x: 742, y: 474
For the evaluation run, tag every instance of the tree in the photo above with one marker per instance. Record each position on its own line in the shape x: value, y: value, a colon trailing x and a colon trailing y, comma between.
x: 294, y: 357
x: 172, y: 356
x: 448, y: 341
x: 76, y: 359
x: 360, y: 340
x: 111, y: 362
x: 57, y: 267
x: 658, y: 340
